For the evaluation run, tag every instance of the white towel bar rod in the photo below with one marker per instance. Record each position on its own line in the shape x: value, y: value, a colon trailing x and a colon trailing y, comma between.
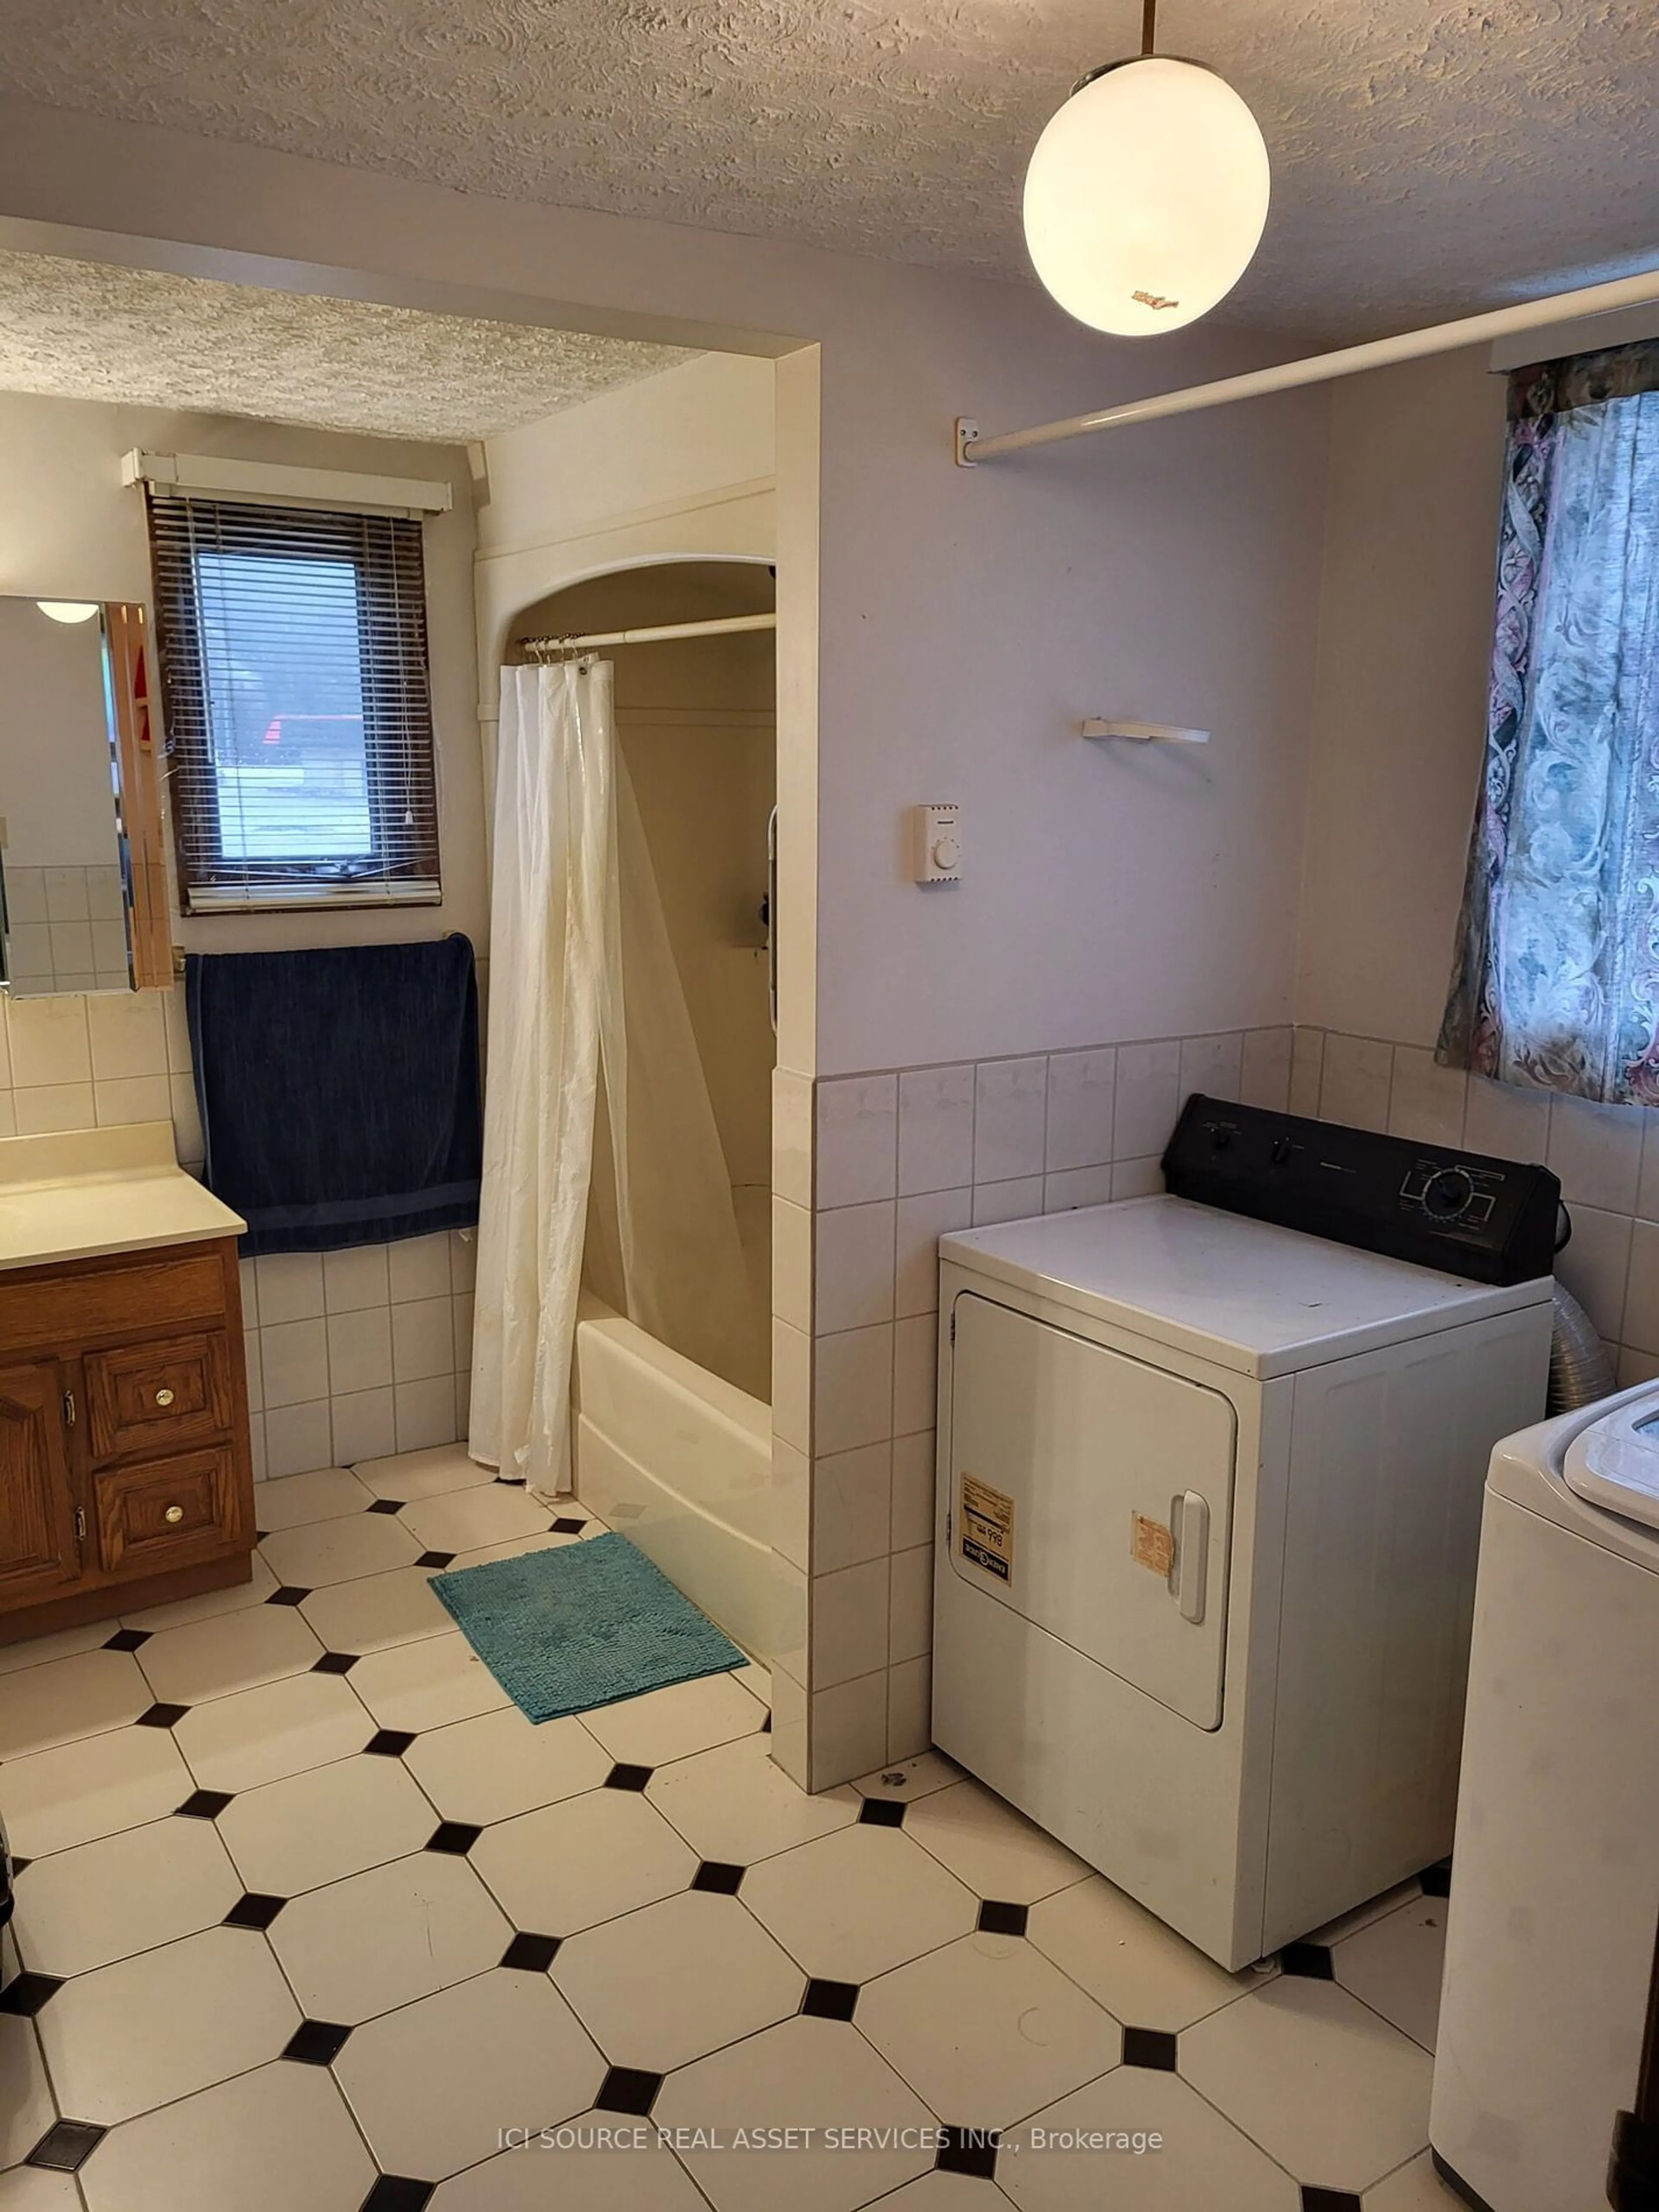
x: 726, y: 626
x: 1320, y: 369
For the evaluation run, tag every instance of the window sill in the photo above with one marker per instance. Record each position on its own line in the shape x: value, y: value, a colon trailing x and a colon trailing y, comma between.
x: 287, y: 898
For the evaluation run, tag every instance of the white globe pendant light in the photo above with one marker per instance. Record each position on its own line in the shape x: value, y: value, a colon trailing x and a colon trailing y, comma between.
x: 1147, y: 193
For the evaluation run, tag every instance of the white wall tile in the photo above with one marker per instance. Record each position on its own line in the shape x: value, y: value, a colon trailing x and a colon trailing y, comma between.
x: 128, y: 1035
x: 254, y: 1368
x: 1212, y: 1065
x: 913, y: 1517
x: 789, y: 1727
x: 290, y: 1287
x: 359, y: 1349
x: 26, y: 894
x: 1265, y: 1069
x: 257, y: 1440
x: 1358, y: 1076
x: 1427, y: 1103
x: 911, y: 1604
x: 1506, y: 1122
x: 1596, y: 1264
x: 124, y: 1099
x: 294, y: 1358
x: 852, y: 1267
x: 1011, y: 1104
x: 792, y: 1263
x: 909, y: 1708
x: 922, y: 1220
x: 791, y: 1386
x: 247, y: 1275
x: 792, y: 1503
x: 1307, y: 1071
x: 463, y: 1406
x: 851, y: 1507
x: 175, y: 1020
x: 852, y: 1389
x: 1082, y: 1090
x: 1018, y: 1200
x: 847, y: 1729
x: 297, y: 1438
x: 356, y: 1278
x: 1138, y: 1178
x: 50, y: 1043
x: 422, y: 1338
x: 1076, y: 1187
x: 187, y: 1141
x: 1640, y: 1324
x: 857, y: 1139
x: 462, y: 1308
x: 419, y: 1267
x: 424, y: 1412
x: 363, y: 1426
x: 463, y: 1258
x: 66, y: 894
x: 1148, y: 1098
x: 1633, y: 1366
x: 1598, y: 1152
x: 936, y: 1129
x: 1647, y: 1190
x: 789, y: 1616
x: 30, y: 952
x: 792, y: 1136
x: 49, y: 1107
x: 8, y: 1113
x: 915, y: 1374
x: 848, y: 1624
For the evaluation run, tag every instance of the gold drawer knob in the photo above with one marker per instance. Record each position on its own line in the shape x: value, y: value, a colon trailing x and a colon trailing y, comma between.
x: 173, y: 1515
x: 164, y: 1397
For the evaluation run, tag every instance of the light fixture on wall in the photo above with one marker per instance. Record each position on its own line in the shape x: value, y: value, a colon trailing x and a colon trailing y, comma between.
x: 69, y: 610
x: 1147, y: 193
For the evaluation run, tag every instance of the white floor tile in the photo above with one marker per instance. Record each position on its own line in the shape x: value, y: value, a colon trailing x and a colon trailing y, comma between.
x: 514, y: 1548
x: 1334, y: 2093
x: 427, y: 1684
x: 96, y: 1787
x: 642, y: 2179
x: 233, y: 1651
x: 66, y: 1698
x: 31, y: 2189
x: 26, y: 2107
x: 986, y: 2031
x: 500, y: 1764
x: 386, y: 1937
x: 141, y: 2033
x: 377, y: 1611
x: 323, y: 1552
x: 1202, y: 2159
x: 429, y: 2085
x: 211, y: 1603
x: 429, y: 1473
x: 295, y: 1499
x: 804, y: 2073
x: 277, y: 2139
x: 462, y: 1521
x: 103, y: 1901
x: 574, y: 1864
x: 851, y: 1905
x: 1143, y: 1974
x: 908, y: 1779
x: 339, y: 1819
x: 259, y: 1735
x: 946, y: 2192
x: 36, y: 1650
x: 997, y: 1851
x: 676, y: 1722
x: 1394, y: 1966
x: 680, y: 1978
x: 1414, y: 2187
x: 736, y: 1804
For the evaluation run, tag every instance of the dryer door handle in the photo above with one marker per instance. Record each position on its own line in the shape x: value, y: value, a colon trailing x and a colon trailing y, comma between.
x: 1190, y: 1517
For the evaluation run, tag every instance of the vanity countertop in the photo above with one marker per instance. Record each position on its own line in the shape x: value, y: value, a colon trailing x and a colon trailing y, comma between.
x: 83, y: 1193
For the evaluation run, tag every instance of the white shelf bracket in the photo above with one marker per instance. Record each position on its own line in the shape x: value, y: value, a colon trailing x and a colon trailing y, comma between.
x: 967, y: 439
x: 1147, y: 733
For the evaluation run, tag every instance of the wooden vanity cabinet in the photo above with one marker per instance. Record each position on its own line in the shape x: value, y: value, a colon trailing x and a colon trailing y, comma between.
x: 125, y: 1473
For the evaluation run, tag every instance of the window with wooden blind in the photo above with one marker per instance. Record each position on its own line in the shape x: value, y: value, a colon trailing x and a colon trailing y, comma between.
x: 293, y: 653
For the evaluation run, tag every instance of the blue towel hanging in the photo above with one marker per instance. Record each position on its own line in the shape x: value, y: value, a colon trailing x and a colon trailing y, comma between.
x: 339, y: 1090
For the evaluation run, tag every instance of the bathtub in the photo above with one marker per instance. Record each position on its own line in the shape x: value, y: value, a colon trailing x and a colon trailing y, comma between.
x: 681, y: 1463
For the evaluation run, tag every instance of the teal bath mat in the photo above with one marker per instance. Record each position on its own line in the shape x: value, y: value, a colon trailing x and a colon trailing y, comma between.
x: 581, y: 1625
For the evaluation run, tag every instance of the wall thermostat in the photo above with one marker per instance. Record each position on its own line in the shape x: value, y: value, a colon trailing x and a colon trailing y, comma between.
x: 936, y: 833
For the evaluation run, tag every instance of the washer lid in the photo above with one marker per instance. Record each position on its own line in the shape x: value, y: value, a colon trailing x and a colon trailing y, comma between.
x: 1614, y: 1462
x: 1249, y: 1296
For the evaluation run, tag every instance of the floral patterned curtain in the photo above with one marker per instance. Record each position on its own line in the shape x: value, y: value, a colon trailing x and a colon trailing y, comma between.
x: 1555, y: 980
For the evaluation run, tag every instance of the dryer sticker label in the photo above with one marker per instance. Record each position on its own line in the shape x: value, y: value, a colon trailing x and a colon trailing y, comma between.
x: 987, y: 1527
x: 1151, y: 1543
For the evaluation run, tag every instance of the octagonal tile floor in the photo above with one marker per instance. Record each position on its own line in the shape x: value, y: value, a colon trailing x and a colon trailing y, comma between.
x: 310, y: 1915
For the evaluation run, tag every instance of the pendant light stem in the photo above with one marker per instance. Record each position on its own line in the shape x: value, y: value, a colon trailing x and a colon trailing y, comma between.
x: 1148, y: 26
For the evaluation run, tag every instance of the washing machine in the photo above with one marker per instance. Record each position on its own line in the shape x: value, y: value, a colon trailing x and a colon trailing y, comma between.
x: 1208, y: 1506
x: 1555, y: 1880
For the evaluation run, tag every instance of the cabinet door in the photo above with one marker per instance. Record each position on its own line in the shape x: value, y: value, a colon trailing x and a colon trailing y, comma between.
x: 38, y: 1550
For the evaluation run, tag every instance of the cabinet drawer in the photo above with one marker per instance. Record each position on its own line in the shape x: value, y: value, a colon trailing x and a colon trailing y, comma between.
x: 80, y: 1305
x: 167, y: 1513
x: 154, y: 1397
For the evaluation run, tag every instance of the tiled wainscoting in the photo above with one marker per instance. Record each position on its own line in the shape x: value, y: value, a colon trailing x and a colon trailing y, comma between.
x: 351, y: 1355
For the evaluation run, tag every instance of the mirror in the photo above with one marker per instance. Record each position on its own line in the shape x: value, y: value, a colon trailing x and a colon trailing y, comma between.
x: 74, y: 761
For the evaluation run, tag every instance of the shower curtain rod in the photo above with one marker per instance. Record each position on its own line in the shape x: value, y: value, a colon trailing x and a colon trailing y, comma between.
x: 1349, y: 361
x: 726, y: 626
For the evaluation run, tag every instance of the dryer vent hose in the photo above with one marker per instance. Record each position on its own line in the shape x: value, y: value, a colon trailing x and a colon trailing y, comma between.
x: 1581, y: 1369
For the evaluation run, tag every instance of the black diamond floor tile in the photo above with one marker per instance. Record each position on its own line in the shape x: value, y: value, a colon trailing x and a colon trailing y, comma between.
x: 288, y: 1595
x: 66, y: 2146
x: 998, y: 1919
x: 1329, y: 2200
x: 17, y: 1865
x: 396, y: 2192
x: 316, y: 2042
x: 830, y: 2000
x: 766, y: 1725
x: 127, y: 1639
x: 628, y: 2089
x: 203, y: 1805
x: 623, y: 1777
x: 335, y: 1663
x: 385, y: 1505
x: 565, y: 1526
x: 434, y: 1560
x: 534, y: 1953
x: 968, y: 2151
x: 718, y: 1874
x: 165, y: 1717
x: 1151, y: 2047
x: 1312, y: 1961
x: 389, y: 1743
x: 25, y: 1993
x: 1437, y: 1879
x: 456, y: 1837
x: 254, y: 1908
x: 882, y: 1813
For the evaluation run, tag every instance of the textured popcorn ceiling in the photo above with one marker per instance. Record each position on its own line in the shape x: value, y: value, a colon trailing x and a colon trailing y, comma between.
x: 1430, y: 154
x: 81, y: 330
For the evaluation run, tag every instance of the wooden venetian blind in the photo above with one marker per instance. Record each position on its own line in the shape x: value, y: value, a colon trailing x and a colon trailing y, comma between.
x: 293, y: 652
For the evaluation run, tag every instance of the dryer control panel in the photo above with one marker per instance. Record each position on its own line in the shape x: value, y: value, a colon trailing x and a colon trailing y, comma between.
x: 1494, y: 1221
